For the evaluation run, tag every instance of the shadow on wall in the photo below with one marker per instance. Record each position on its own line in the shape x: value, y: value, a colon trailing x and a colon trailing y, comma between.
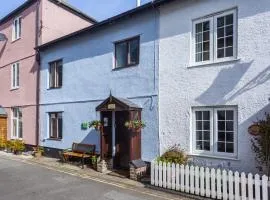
x: 223, y: 84
x: 93, y: 137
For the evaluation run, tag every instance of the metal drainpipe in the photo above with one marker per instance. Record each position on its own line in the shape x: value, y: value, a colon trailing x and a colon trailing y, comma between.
x: 38, y: 71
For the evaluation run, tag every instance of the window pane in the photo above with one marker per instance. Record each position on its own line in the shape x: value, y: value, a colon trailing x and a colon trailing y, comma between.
x: 206, y: 56
x: 60, y: 127
x: 198, y: 38
x: 221, y: 136
x: 229, y: 125
x: 221, y: 115
x: 198, y: 115
x: 206, y: 146
x: 198, y: 57
x: 229, y: 52
x: 199, y: 145
x: 198, y: 27
x: 20, y: 134
x: 221, y: 43
x: 134, y: 51
x: 221, y: 147
x: 199, y: 125
x: 206, y: 46
x: 221, y: 126
x: 229, y: 41
x: 206, y: 125
x: 229, y: 148
x: 229, y: 19
x: 206, y: 26
x: 206, y: 36
x: 206, y: 135
x: 198, y: 47
x: 229, y: 115
x: 220, y: 21
x: 220, y: 32
x: 229, y: 30
x: 14, y: 128
x: 121, y: 54
x: 52, y: 75
x: 220, y: 53
x: 198, y: 135
x: 59, y: 73
x: 206, y: 115
x: 17, y: 74
x: 230, y: 137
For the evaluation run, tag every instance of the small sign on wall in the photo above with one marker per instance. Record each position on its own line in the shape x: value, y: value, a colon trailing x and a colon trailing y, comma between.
x: 111, y: 106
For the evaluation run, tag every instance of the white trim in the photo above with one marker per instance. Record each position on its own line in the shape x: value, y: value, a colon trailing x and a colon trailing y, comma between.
x: 14, y: 77
x: 213, y: 132
x: 18, y: 123
x: 17, y: 33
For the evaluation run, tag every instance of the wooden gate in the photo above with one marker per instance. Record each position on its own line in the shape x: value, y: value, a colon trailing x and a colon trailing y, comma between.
x: 3, y: 128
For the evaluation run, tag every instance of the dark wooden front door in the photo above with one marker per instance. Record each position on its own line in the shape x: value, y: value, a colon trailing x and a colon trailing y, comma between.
x: 106, y: 118
x: 122, y: 140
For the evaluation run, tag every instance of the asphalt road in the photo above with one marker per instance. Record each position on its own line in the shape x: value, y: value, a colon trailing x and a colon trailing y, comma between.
x: 23, y: 181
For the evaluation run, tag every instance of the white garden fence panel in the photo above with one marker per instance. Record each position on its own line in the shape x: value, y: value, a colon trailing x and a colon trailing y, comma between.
x: 212, y: 183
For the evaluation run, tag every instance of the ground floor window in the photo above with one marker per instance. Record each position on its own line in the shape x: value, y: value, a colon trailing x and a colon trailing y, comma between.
x: 215, y: 131
x: 55, y: 125
x: 17, y: 125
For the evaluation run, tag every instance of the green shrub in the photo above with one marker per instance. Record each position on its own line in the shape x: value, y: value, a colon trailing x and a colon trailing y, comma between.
x: 2, y: 144
x: 174, y: 155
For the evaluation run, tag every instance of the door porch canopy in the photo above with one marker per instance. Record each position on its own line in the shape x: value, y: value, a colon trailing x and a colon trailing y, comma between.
x: 117, y: 104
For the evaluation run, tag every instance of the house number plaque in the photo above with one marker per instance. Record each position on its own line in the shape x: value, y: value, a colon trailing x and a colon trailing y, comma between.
x: 111, y: 106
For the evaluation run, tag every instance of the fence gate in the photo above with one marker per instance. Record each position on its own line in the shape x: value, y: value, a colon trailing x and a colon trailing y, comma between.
x: 3, y: 128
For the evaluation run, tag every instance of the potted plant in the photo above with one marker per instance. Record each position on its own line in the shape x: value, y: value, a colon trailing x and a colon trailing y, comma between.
x: 38, y: 151
x: 18, y: 147
x: 135, y: 125
x: 96, y: 124
x: 94, y: 161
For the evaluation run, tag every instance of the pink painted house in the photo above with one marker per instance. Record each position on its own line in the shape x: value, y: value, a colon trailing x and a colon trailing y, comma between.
x: 33, y: 23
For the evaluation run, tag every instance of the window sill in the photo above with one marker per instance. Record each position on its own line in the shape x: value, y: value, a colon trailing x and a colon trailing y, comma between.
x: 54, y: 88
x: 214, y: 157
x: 54, y: 139
x: 193, y: 65
x: 15, y: 40
x: 15, y: 88
x: 129, y: 66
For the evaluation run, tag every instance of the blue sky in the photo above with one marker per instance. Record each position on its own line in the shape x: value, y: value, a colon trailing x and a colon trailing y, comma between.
x: 99, y: 9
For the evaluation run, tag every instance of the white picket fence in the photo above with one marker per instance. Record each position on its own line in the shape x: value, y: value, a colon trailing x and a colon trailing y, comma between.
x: 212, y: 183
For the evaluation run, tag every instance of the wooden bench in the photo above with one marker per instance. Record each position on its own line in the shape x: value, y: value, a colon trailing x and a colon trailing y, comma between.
x: 82, y: 151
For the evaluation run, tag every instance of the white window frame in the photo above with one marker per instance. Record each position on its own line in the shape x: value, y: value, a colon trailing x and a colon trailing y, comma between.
x: 17, y: 28
x: 213, y: 38
x: 57, y: 84
x: 16, y: 109
x: 49, y: 125
x: 214, y: 132
x: 15, y: 75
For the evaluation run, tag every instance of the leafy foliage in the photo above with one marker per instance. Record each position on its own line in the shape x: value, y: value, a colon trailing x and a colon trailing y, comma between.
x: 2, y: 143
x: 135, y: 124
x: 174, y: 155
x: 95, y: 124
x: 261, y: 144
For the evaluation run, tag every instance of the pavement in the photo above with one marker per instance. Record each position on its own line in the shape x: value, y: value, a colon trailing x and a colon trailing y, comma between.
x: 27, y: 178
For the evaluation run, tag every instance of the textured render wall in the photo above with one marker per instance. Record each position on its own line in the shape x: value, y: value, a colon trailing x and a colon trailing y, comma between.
x: 244, y: 83
x: 57, y: 22
x: 22, y: 51
x: 88, y: 76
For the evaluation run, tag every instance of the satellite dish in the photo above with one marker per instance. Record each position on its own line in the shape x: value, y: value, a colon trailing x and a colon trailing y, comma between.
x: 3, y: 37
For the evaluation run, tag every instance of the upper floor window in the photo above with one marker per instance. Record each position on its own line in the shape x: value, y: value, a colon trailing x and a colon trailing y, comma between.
x: 127, y: 52
x: 15, y: 75
x: 17, y: 125
x: 215, y: 131
x: 214, y: 38
x: 56, y: 125
x: 17, y: 28
x: 55, y: 73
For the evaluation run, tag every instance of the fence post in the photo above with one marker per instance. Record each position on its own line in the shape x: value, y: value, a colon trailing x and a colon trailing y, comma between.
x: 219, y: 194
x: 197, y: 176
x: 182, y: 171
x: 169, y: 175
x: 250, y: 186
x: 236, y: 185
x: 213, y: 183
x: 156, y: 174
x: 152, y: 173
x: 264, y: 187
x: 192, y: 179
x: 230, y: 185
x: 202, y: 181
x: 224, y: 184
x: 173, y: 176
x: 160, y: 174
x: 187, y: 178
x: 207, y: 182
x: 164, y: 175
x: 177, y: 174
x: 243, y: 186
x: 257, y: 187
